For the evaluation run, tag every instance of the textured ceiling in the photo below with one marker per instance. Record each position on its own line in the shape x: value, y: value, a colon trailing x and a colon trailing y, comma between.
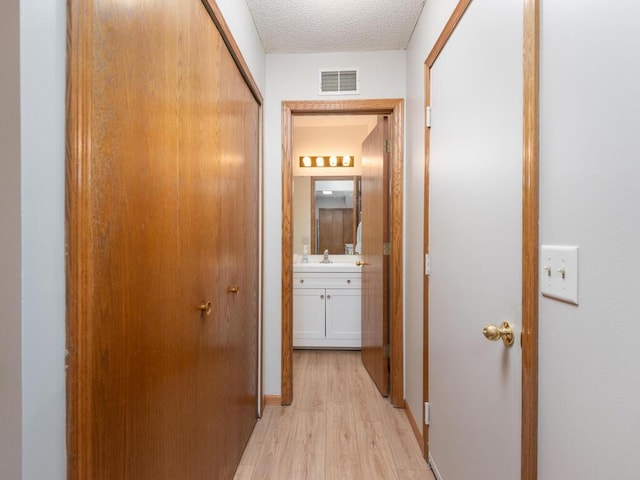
x: 306, y: 26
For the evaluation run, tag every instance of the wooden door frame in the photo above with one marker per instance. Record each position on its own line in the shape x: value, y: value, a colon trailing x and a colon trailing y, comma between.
x: 394, y: 108
x: 530, y: 228
x: 77, y: 219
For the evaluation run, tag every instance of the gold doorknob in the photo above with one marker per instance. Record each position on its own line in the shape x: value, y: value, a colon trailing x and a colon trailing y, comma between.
x: 361, y: 264
x: 233, y: 290
x: 205, y: 308
x: 504, y: 332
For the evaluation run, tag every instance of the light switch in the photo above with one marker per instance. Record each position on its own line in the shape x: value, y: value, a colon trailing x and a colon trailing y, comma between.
x: 559, y: 272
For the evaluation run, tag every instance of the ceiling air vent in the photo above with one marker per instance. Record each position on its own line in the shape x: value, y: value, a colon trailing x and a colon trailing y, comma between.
x: 339, y: 82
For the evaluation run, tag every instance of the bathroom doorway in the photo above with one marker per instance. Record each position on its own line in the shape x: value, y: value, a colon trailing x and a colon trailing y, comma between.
x: 293, y: 162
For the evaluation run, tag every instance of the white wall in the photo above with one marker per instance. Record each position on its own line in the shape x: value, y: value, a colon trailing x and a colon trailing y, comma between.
x: 42, y: 68
x: 589, y: 196
x: 295, y: 77
x: 237, y: 15
x: 10, y: 253
x: 431, y: 22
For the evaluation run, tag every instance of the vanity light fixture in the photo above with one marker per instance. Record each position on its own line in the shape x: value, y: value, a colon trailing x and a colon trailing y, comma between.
x: 327, y: 192
x: 332, y: 161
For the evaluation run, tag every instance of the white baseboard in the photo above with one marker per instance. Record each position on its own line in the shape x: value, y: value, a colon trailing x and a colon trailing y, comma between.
x: 434, y: 468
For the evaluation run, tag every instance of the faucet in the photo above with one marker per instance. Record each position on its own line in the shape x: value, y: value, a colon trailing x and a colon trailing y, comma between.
x: 326, y: 257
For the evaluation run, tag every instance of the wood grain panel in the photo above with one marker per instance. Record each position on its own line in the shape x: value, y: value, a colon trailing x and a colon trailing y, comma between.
x: 396, y: 275
x: 161, y: 140
x: 275, y: 459
x: 258, y: 437
x: 235, y: 264
x: 286, y: 361
x: 79, y: 269
x: 530, y: 237
x: 344, y: 452
x: 406, y: 452
x: 225, y: 32
x: 375, y: 274
x: 309, y: 449
x: 425, y: 291
x: 379, y: 460
x: 447, y: 31
x: 315, y: 386
x: 342, y: 447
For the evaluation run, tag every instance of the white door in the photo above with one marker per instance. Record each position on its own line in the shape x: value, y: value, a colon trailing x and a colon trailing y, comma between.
x: 475, y: 245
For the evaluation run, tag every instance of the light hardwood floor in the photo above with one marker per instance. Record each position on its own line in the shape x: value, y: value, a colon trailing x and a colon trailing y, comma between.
x: 338, y: 427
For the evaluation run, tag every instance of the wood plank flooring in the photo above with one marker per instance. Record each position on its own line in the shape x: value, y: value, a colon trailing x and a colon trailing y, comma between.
x: 338, y: 427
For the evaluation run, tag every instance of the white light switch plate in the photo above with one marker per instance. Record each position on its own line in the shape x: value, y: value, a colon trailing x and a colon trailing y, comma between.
x: 559, y: 272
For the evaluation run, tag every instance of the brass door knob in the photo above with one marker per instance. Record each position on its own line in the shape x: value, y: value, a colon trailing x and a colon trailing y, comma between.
x: 205, y: 308
x: 233, y: 290
x: 504, y: 332
x: 361, y: 264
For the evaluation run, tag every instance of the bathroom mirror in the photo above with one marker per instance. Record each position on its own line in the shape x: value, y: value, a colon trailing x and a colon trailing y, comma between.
x: 326, y: 213
x: 327, y: 135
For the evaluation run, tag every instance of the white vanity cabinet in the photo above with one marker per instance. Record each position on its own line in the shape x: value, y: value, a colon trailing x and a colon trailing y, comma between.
x: 327, y: 309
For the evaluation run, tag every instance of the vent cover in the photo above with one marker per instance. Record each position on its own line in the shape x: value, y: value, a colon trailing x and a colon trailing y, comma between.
x: 339, y: 82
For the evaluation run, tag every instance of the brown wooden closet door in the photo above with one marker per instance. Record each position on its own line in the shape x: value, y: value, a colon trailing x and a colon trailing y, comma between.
x: 166, y: 392
x: 237, y: 268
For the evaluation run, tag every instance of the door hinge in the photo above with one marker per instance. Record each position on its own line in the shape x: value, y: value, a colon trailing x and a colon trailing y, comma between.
x: 386, y: 248
x: 427, y: 264
x: 387, y: 146
x: 426, y: 413
x: 427, y: 115
x: 387, y: 351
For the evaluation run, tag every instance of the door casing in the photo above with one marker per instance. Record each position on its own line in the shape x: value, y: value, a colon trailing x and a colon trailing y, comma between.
x: 394, y: 108
x: 530, y: 228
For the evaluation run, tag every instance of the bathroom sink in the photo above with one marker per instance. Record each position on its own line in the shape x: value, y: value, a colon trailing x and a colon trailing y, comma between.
x: 326, y: 267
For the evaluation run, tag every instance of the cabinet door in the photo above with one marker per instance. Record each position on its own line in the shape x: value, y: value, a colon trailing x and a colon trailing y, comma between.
x: 343, y: 313
x: 308, y: 314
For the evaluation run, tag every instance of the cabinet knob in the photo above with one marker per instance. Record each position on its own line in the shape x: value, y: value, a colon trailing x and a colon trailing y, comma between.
x: 328, y: 297
x: 205, y: 308
x: 302, y: 280
x: 349, y: 281
x: 322, y: 297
